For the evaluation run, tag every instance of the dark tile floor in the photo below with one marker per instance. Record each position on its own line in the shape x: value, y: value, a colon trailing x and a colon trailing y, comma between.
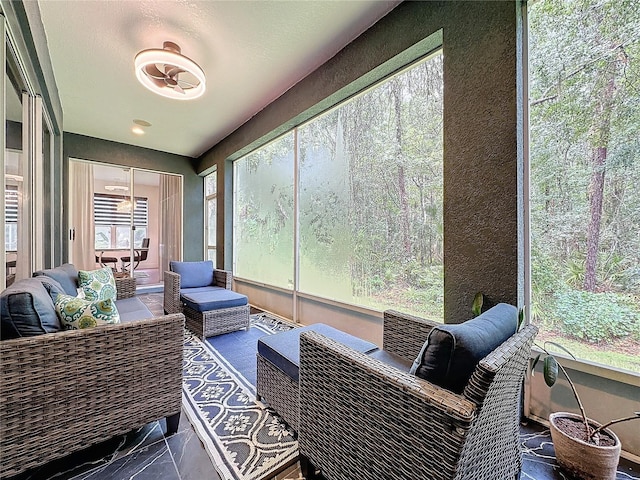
x: 146, y: 454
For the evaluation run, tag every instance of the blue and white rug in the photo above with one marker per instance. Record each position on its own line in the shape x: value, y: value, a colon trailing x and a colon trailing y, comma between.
x: 243, y: 438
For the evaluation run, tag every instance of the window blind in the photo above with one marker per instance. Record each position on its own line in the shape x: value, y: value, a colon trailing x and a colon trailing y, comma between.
x: 105, y: 210
x: 11, y: 204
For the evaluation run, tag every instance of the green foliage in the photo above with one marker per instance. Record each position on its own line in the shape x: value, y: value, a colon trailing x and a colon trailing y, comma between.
x: 476, y: 306
x: 596, y: 317
x: 550, y: 371
x: 584, y: 77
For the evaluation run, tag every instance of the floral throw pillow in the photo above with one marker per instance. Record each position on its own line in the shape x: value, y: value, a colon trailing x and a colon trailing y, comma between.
x: 97, y: 284
x: 75, y: 313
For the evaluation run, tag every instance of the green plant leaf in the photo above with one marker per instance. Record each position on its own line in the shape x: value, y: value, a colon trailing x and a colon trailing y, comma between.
x: 520, y: 318
x: 476, y: 307
x: 550, y: 371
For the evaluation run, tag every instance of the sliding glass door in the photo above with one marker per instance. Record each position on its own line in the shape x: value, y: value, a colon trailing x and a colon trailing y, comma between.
x: 19, y: 180
x: 124, y: 218
x: 27, y: 201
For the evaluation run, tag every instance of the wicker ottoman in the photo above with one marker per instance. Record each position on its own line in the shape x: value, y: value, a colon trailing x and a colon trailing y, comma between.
x: 216, y: 322
x: 279, y: 362
x: 213, y: 311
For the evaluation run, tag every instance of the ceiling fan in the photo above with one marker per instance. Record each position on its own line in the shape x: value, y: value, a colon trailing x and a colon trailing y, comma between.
x: 169, y: 73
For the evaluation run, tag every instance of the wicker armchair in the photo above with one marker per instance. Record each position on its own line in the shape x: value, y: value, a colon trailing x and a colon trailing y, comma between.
x: 360, y: 418
x: 65, y: 391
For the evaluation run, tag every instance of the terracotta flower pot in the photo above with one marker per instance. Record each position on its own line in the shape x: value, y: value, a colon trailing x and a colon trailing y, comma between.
x: 584, y: 460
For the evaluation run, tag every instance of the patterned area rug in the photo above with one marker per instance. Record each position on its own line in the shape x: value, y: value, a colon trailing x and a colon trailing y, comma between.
x: 244, y: 439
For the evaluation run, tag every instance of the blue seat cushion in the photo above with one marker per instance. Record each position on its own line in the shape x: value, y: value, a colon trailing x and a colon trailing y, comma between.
x: 28, y: 310
x: 452, y: 352
x: 193, y: 274
x: 131, y: 309
x: 283, y: 349
x: 215, y: 298
x: 66, y: 275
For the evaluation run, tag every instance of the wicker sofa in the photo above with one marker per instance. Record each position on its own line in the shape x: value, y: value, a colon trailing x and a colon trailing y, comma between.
x: 203, y: 293
x: 361, y: 418
x: 64, y: 391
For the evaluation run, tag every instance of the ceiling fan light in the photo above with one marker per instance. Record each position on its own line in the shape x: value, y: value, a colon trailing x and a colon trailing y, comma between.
x: 169, y: 56
x: 124, y: 206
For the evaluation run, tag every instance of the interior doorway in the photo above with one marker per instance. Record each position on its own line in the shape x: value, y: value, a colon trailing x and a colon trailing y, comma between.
x: 127, y: 219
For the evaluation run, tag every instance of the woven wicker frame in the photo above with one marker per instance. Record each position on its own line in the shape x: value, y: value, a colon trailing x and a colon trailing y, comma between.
x: 65, y: 391
x: 125, y: 286
x: 216, y: 322
x: 278, y: 390
x: 404, y: 335
x: 172, y: 303
x: 360, y: 418
x: 212, y: 322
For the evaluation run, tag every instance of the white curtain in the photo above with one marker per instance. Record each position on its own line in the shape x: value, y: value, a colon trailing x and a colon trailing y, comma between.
x: 82, y: 245
x: 170, y: 220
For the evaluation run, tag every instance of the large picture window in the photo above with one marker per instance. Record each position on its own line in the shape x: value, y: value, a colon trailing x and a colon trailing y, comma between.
x: 211, y: 215
x: 585, y: 172
x: 112, y: 217
x: 263, y: 214
x: 369, y: 200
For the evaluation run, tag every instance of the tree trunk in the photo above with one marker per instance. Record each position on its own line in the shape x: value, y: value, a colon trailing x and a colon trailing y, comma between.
x: 601, y: 134
x: 402, y: 182
x: 596, y: 194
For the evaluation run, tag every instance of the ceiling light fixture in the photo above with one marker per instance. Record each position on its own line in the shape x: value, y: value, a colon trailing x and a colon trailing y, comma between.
x: 169, y: 73
x: 124, y: 206
x: 113, y: 188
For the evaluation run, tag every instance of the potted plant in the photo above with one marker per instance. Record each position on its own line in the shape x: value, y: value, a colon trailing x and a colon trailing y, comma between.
x: 585, y: 448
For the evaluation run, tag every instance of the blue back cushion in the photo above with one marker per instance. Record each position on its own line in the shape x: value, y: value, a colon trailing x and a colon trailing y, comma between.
x: 452, y: 351
x: 28, y: 310
x: 66, y: 275
x: 193, y: 274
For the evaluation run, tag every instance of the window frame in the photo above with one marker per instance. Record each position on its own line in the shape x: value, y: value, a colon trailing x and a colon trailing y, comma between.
x: 579, y: 364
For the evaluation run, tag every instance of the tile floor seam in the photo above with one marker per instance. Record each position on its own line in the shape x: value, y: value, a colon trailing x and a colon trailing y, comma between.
x: 173, y: 460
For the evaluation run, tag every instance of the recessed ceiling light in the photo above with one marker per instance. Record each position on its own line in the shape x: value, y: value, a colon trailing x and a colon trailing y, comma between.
x: 137, y: 130
x: 168, y: 73
x: 142, y: 123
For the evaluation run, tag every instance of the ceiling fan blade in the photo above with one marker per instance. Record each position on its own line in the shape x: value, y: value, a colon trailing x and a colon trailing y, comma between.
x: 154, y: 72
x: 179, y: 89
x: 160, y: 83
x: 173, y: 71
x: 185, y: 84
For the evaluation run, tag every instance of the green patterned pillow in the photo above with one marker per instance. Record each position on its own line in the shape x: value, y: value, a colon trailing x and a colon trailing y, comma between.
x: 76, y: 313
x: 97, y: 284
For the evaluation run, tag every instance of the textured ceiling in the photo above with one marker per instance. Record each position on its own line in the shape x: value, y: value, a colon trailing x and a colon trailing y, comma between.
x: 251, y: 52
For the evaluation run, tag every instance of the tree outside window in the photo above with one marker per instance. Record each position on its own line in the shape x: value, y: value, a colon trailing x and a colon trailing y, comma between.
x: 585, y: 172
